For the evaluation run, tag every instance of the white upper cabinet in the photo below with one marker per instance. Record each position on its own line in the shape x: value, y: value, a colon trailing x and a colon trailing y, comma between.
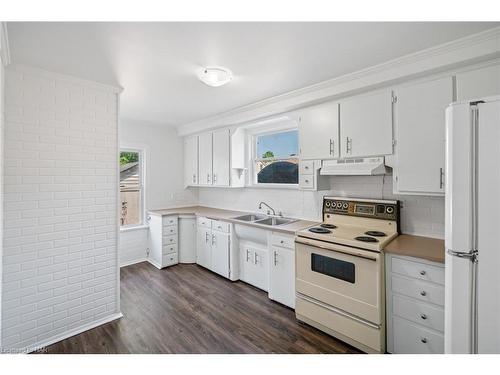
x: 478, y: 83
x: 319, y: 131
x: 366, y: 125
x: 191, y: 161
x: 205, y: 159
x: 221, y: 154
x: 420, y: 148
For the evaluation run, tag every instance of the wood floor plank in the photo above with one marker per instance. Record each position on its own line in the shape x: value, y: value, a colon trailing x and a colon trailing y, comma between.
x: 188, y: 309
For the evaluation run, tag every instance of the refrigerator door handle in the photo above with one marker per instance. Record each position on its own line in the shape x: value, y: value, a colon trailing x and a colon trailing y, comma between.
x: 471, y: 255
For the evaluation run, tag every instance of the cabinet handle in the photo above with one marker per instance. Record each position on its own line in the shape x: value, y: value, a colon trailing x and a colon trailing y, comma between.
x: 423, y: 293
x: 208, y: 177
x: 307, y: 181
x: 423, y: 340
x: 255, y: 258
x: 213, y: 239
x: 275, y: 258
x: 194, y: 178
x: 422, y: 272
x: 423, y: 316
x: 248, y: 255
x: 348, y: 148
x: 331, y: 146
x: 441, y: 178
x: 214, y: 178
x: 206, y: 237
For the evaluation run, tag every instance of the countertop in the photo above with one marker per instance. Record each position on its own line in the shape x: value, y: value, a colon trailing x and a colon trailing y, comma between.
x: 228, y: 215
x: 416, y: 246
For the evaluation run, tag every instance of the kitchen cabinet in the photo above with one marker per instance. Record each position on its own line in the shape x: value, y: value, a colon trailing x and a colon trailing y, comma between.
x: 478, y: 83
x: 214, y: 246
x: 163, y: 240
x: 420, y: 127
x: 220, y: 253
x: 282, y: 270
x: 254, y: 266
x: 415, y: 305
x: 310, y: 178
x: 205, y: 158
x: 204, y: 247
x: 221, y: 153
x: 366, y: 125
x: 319, y: 131
x: 191, y: 161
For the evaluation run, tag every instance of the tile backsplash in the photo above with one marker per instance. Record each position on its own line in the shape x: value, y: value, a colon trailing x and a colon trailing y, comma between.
x: 420, y: 215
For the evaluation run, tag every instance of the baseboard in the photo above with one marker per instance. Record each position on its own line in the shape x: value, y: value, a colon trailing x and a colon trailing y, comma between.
x: 73, y: 332
x: 130, y: 262
x: 151, y: 261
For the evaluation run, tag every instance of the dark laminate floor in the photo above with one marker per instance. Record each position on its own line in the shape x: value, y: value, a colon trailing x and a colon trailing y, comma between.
x: 187, y: 309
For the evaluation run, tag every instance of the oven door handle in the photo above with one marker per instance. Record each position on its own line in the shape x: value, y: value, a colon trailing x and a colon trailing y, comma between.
x: 335, y: 248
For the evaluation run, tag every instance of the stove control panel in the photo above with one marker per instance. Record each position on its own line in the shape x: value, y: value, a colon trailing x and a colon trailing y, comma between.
x: 376, y: 209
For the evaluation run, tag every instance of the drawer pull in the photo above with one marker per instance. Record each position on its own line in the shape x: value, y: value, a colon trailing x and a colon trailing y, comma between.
x: 282, y: 242
x: 423, y: 340
x: 422, y: 272
x: 423, y: 316
x: 423, y: 293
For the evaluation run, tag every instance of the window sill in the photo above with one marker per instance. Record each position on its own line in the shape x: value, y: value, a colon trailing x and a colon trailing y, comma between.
x: 132, y: 228
x: 273, y: 186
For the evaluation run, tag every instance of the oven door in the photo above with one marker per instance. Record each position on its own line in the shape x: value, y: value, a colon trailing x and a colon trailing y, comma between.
x: 343, y: 277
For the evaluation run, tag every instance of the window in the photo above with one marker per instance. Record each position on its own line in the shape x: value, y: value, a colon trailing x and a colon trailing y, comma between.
x: 131, y: 189
x: 276, y: 158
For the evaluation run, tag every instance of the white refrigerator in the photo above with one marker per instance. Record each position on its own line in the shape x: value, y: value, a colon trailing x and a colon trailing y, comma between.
x: 472, y: 221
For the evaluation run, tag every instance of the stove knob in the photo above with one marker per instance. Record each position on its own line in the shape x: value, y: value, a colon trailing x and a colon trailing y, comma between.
x: 389, y: 209
x: 327, y: 203
x: 345, y: 205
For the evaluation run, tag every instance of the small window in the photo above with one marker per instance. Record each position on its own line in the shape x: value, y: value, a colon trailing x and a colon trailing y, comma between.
x: 276, y: 158
x: 131, y: 188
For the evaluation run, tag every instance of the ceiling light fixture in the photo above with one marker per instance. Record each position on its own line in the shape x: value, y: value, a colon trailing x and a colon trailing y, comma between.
x: 215, y: 76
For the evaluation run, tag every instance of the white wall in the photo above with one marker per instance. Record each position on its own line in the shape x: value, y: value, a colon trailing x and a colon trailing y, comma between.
x: 164, y: 177
x: 420, y: 215
x: 60, y: 271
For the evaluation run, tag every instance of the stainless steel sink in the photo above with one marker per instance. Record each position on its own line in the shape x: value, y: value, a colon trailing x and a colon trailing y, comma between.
x: 274, y: 221
x: 250, y: 217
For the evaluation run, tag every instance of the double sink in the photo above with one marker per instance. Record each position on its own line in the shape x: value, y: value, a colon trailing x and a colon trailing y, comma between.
x: 264, y: 219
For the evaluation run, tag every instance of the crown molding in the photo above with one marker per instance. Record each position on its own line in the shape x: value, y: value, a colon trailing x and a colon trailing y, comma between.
x: 5, y: 49
x: 25, y: 69
x: 465, y: 51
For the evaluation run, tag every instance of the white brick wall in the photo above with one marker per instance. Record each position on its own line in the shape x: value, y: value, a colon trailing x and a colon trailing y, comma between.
x: 60, y: 269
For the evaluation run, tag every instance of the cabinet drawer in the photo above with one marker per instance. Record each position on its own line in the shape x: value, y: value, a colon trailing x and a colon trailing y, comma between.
x: 169, y: 249
x: 169, y: 240
x: 306, y: 167
x: 282, y: 240
x: 418, y: 312
x: 221, y: 226
x: 420, y: 290
x: 417, y: 270
x: 306, y: 181
x: 167, y: 231
x: 204, y: 222
x: 170, y: 259
x: 169, y: 220
x: 412, y: 339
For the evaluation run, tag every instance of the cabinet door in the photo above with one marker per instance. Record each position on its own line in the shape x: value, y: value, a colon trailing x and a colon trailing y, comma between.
x: 246, y: 264
x: 319, y: 131
x: 366, y: 125
x: 205, y: 159
x: 478, y: 83
x: 260, y: 272
x: 203, y: 248
x: 221, y: 154
x: 191, y: 161
x: 220, y: 253
x: 282, y: 276
x: 420, y: 147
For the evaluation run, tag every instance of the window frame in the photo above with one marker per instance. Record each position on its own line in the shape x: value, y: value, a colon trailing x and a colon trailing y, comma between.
x: 253, y: 180
x: 142, y: 186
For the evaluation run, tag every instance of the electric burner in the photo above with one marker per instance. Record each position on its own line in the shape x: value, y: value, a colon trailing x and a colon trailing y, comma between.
x: 319, y: 230
x: 328, y: 226
x: 375, y: 233
x: 366, y: 239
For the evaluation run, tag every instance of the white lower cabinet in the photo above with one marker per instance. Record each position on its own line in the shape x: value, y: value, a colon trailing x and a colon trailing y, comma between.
x: 282, y: 270
x: 254, y: 268
x: 204, y: 247
x: 213, y: 250
x: 163, y: 240
x: 415, y: 305
x: 220, y: 253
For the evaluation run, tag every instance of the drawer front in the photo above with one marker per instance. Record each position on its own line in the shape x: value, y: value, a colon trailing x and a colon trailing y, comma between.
x: 306, y: 167
x: 282, y: 240
x: 169, y: 240
x: 169, y: 220
x: 419, y: 312
x: 419, y: 271
x: 412, y: 339
x: 221, y: 226
x: 306, y: 181
x: 421, y: 290
x: 170, y: 259
x: 168, y: 231
x: 204, y: 222
x: 169, y: 249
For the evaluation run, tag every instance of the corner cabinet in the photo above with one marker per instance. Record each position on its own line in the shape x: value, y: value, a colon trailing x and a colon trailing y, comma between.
x: 319, y: 131
x: 479, y: 83
x: 366, y: 125
x: 420, y: 126
x: 163, y: 240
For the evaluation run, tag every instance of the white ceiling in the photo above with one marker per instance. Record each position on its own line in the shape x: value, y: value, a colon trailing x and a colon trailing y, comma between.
x: 156, y: 63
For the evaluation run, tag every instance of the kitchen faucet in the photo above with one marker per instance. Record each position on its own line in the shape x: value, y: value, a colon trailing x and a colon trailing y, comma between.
x: 270, y: 209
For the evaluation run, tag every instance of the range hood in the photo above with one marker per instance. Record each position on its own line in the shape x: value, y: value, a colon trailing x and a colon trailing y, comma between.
x: 354, y: 167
